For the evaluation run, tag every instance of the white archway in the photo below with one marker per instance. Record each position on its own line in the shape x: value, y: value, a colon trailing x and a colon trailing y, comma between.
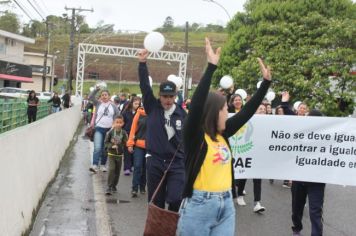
x: 97, y: 49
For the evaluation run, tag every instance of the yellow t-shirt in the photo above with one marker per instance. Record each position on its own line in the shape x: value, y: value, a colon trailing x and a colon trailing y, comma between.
x: 215, y: 173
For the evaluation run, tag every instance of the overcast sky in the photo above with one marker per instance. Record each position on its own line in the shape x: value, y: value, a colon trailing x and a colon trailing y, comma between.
x: 144, y: 15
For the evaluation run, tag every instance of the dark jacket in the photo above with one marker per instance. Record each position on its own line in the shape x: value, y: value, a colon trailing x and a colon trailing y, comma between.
x: 286, y: 109
x: 56, y: 101
x: 157, y: 142
x: 128, y: 117
x: 119, y: 140
x: 194, y: 142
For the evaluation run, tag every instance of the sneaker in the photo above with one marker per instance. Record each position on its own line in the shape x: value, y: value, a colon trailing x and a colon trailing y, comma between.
x: 103, y: 168
x: 134, y: 194
x: 258, y: 208
x: 244, y: 192
x: 114, y: 189
x: 94, y: 168
x: 296, y: 234
x: 240, y: 201
x: 143, y: 191
x: 108, y: 191
x: 127, y: 172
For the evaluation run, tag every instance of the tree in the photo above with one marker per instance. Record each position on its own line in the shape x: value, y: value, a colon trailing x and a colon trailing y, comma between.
x: 310, y: 46
x: 9, y: 22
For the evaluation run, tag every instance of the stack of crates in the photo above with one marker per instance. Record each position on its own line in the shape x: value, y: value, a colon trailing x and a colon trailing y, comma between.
x: 13, y: 112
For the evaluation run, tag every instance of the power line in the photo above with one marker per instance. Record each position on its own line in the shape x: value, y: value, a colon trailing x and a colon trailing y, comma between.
x: 35, y: 9
x: 39, y: 7
x: 43, y: 4
x: 22, y: 8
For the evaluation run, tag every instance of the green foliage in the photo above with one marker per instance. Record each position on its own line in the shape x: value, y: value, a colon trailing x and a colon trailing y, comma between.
x: 9, y: 22
x: 310, y: 46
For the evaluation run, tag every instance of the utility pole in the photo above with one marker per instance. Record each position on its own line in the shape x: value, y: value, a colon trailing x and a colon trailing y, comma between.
x: 44, y: 72
x: 71, y: 46
x: 186, y: 81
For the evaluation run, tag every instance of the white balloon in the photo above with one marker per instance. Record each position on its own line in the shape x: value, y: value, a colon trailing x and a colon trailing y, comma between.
x: 270, y: 96
x: 150, y: 80
x: 171, y: 77
x: 242, y: 93
x: 101, y: 85
x: 296, y: 105
x: 113, y: 97
x: 154, y: 41
x: 226, y: 82
x: 178, y: 82
x: 259, y: 84
x: 91, y: 89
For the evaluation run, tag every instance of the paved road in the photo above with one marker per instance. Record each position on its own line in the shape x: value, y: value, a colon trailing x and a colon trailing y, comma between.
x: 75, y: 204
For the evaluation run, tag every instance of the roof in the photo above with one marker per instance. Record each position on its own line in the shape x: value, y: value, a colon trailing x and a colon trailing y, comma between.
x: 16, y: 37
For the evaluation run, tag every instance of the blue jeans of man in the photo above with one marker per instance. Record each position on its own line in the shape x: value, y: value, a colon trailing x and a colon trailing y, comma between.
x: 207, y: 213
x: 139, y: 173
x: 315, y: 193
x: 99, y: 154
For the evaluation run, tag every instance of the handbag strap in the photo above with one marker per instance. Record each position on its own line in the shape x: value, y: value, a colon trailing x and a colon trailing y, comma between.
x: 164, y: 175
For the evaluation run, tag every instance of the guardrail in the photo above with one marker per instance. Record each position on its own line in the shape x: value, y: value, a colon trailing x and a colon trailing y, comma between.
x: 13, y: 112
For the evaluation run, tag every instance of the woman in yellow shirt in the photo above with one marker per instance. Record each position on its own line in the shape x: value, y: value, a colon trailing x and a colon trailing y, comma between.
x: 207, y: 208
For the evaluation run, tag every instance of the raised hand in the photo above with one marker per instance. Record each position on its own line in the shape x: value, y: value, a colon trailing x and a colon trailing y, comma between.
x: 142, y: 55
x: 285, y: 96
x: 212, y: 57
x: 265, y: 70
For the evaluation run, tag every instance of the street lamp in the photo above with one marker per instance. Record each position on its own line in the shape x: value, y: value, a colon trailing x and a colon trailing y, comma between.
x: 212, y: 1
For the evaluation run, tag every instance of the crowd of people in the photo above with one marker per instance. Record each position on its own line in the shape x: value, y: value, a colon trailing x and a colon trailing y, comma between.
x: 148, y: 136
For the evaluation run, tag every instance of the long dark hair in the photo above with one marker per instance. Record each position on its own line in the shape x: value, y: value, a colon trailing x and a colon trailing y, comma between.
x: 213, y: 104
x: 129, y: 105
x: 29, y: 95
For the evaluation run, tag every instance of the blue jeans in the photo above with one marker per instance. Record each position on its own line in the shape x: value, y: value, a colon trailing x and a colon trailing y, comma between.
x: 139, y: 174
x: 99, y: 153
x: 207, y: 213
x: 55, y: 109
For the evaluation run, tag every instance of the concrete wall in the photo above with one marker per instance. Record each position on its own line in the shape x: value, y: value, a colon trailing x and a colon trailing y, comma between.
x: 29, y: 157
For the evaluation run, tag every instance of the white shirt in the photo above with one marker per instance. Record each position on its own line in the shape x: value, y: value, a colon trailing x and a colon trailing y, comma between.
x: 104, y: 118
x: 167, y: 121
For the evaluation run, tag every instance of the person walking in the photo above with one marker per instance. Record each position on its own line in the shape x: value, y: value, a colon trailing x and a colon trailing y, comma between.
x: 137, y: 146
x: 32, y: 104
x: 56, y: 102
x: 257, y: 183
x: 115, y: 141
x: 207, y: 208
x: 163, y: 139
x: 128, y: 113
x: 105, y: 112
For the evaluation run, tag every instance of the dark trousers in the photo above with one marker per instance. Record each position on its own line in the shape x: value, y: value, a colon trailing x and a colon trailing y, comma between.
x: 127, y: 159
x: 172, y: 188
x: 31, y: 114
x: 114, y: 170
x: 315, y: 193
x: 256, y: 188
x: 139, y: 174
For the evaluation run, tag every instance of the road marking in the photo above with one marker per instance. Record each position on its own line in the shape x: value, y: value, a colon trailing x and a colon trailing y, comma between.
x: 103, y: 227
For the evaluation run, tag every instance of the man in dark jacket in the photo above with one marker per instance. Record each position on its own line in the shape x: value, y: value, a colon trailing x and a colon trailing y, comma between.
x: 163, y: 139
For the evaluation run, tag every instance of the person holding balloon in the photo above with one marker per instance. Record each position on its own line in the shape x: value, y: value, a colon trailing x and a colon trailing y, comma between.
x: 163, y: 139
x: 208, y: 208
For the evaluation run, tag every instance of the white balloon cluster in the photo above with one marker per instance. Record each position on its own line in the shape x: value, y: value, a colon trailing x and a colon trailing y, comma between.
x: 226, y: 82
x: 178, y: 81
x: 154, y: 41
x: 271, y: 96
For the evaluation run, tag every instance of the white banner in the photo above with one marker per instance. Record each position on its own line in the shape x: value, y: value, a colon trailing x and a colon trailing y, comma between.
x: 315, y: 149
